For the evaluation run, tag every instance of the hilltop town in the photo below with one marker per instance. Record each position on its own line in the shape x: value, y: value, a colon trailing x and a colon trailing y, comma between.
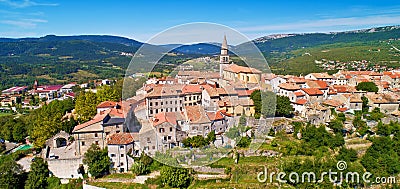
x: 166, y: 114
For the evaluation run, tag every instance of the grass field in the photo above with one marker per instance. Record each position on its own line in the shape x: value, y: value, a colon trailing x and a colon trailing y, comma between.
x: 4, y: 114
x: 301, y: 61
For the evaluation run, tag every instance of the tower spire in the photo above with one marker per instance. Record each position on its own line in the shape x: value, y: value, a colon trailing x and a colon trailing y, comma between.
x: 224, y: 57
x: 224, y: 44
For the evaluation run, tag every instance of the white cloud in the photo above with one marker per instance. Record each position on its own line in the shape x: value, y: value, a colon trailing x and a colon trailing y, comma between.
x: 24, y: 23
x: 25, y: 3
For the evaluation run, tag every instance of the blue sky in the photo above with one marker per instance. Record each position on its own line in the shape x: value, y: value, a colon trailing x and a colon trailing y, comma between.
x: 142, y: 19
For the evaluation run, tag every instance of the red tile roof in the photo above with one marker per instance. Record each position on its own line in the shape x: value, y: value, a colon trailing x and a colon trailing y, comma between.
x: 333, y: 103
x: 196, y: 114
x: 14, y: 89
x: 312, y: 91
x: 97, y: 118
x: 299, y: 93
x: 120, y: 138
x: 289, y: 86
x: 301, y: 101
x: 107, y: 104
x: 191, y: 89
x: 241, y: 69
x: 215, y: 115
x: 342, y: 109
x: 164, y: 117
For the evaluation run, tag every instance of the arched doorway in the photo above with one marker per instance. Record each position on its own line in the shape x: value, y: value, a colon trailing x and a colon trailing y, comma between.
x: 61, y: 142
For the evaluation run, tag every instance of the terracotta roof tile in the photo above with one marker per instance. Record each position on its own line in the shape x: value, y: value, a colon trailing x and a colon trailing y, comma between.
x: 301, y: 101
x: 312, y: 91
x: 333, y: 103
x: 107, y: 104
x: 191, y: 89
x: 241, y: 69
x: 120, y: 138
x: 97, y: 118
x: 163, y: 117
x: 289, y: 86
x: 215, y: 115
x: 299, y: 93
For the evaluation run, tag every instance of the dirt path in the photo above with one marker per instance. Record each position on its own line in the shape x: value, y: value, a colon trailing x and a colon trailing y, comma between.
x: 138, y: 179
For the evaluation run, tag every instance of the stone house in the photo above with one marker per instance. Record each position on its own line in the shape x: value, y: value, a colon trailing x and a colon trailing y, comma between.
x: 313, y: 94
x: 121, y: 149
x: 96, y: 130
x: 199, y: 123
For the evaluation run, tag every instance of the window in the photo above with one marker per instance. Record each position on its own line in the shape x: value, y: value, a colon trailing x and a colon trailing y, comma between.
x: 112, y: 155
x: 151, y: 111
x: 153, y: 147
x: 107, y: 133
x: 165, y: 137
x: 161, y: 130
x: 162, y: 103
x: 96, y: 142
x: 169, y: 137
x: 170, y: 129
x: 122, y: 155
x: 95, y: 135
x: 156, y: 103
x: 151, y: 104
x: 121, y: 147
x: 122, y: 164
x: 148, y: 140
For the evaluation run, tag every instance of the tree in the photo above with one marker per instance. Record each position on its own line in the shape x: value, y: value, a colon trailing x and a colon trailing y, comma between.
x: 38, y: 175
x: 138, y: 168
x: 85, y: 105
x: 271, y: 132
x: 347, y: 155
x: 269, y: 104
x: 264, y: 103
x: 256, y: 97
x: 244, y: 142
x: 2, y: 147
x: 367, y: 86
x: 47, y: 120
x: 283, y: 106
x: 211, y: 137
x: 376, y: 114
x: 233, y: 133
x: 175, y: 177
x: 145, y: 159
x: 242, y: 120
x: 383, y: 129
x: 365, y: 106
x: 97, y: 160
x: 336, y: 125
x: 360, y: 125
x: 381, y: 159
x: 19, y: 131
x: 195, y: 141
x: 11, y: 173
x: 111, y: 93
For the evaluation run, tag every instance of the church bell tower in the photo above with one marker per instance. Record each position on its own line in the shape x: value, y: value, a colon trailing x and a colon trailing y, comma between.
x: 224, y: 57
